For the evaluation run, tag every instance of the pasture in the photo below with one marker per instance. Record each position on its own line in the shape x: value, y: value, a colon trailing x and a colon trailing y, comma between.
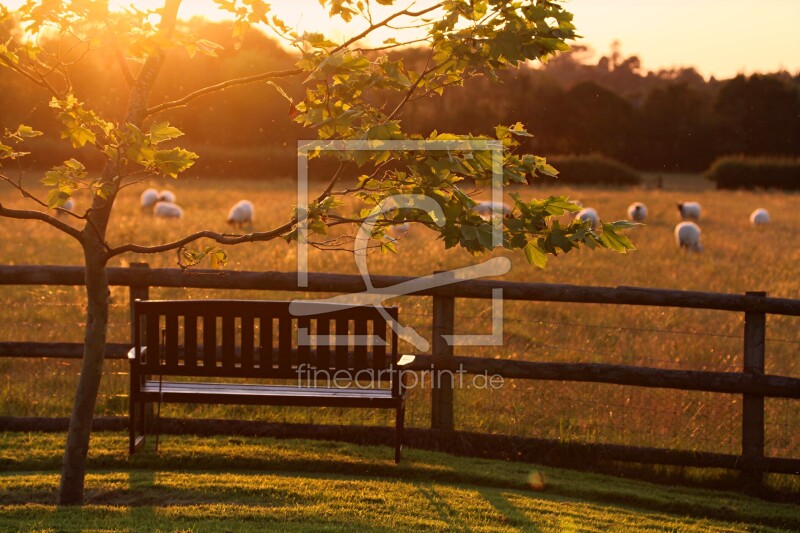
x: 737, y: 258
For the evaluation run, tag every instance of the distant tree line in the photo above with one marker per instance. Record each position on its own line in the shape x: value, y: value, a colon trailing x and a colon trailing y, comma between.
x: 670, y: 120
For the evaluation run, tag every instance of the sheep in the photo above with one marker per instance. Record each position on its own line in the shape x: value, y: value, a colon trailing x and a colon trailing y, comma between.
x: 689, y: 210
x: 637, y: 212
x: 166, y: 196
x: 687, y: 235
x: 241, y: 213
x: 398, y: 230
x: 148, y: 198
x: 589, y: 214
x: 167, y: 210
x: 759, y: 217
x: 69, y: 205
x: 485, y: 209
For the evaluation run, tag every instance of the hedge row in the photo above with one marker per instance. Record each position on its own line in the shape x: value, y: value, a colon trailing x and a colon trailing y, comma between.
x: 594, y: 169
x: 740, y: 172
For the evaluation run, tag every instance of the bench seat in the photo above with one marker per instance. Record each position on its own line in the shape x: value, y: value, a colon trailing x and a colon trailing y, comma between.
x: 238, y: 393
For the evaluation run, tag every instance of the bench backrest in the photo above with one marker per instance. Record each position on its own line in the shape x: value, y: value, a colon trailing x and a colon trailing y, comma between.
x: 261, y: 338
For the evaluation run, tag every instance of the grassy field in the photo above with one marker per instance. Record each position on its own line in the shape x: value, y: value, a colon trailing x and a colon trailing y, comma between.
x: 737, y: 258
x: 265, y: 484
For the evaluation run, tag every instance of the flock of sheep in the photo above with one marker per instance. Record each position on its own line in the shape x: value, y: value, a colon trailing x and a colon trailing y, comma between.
x: 163, y: 205
x: 687, y: 232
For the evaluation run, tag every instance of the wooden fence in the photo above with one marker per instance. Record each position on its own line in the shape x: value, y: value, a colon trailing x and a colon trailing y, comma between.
x: 752, y: 383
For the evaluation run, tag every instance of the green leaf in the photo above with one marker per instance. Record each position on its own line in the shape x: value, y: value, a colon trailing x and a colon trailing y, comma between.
x: 613, y: 240
x: 535, y: 255
x: 56, y: 198
x: 26, y: 132
x: 163, y: 132
x: 172, y: 162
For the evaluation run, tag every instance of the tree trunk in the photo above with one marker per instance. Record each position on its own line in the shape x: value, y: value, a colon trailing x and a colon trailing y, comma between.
x: 73, y: 469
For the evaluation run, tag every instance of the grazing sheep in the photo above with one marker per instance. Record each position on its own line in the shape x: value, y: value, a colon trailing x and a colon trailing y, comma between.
x: 242, y: 213
x: 590, y: 214
x: 687, y: 235
x: 637, y: 212
x: 148, y: 198
x: 485, y: 209
x: 759, y: 217
x: 167, y: 210
x: 398, y: 230
x: 166, y: 196
x: 689, y: 210
x: 69, y: 205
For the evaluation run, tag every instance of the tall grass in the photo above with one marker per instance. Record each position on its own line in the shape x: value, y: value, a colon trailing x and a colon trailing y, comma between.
x: 737, y: 258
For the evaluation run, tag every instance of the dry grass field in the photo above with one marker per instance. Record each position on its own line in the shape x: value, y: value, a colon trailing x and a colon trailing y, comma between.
x: 737, y: 258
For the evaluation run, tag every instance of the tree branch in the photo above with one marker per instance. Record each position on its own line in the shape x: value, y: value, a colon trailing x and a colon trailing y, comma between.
x: 385, y: 22
x: 24, y: 214
x: 222, y: 86
x: 123, y: 65
x: 222, y: 238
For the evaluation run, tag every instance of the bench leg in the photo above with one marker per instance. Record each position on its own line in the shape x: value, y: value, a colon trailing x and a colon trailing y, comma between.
x: 398, y: 432
x: 131, y: 427
x: 143, y: 420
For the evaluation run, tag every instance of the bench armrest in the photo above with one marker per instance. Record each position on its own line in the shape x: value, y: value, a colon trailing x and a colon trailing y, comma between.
x: 406, y: 360
x: 132, y: 353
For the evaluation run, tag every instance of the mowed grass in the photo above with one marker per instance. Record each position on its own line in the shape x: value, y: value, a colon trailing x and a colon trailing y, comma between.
x: 737, y: 258
x: 265, y: 484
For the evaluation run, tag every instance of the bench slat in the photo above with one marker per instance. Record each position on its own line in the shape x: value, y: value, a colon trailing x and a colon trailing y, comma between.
x: 171, y: 342
x: 284, y: 342
x: 379, y: 345
x: 247, y: 341
x: 190, y: 341
x: 228, y: 342
x: 342, y: 349
x: 323, y: 352
x: 153, y: 341
x: 360, y: 330
x: 265, y: 333
x: 303, y: 333
x: 209, y: 341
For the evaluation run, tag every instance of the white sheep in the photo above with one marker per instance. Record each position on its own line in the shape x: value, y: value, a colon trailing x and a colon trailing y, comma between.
x: 167, y: 210
x: 398, y: 230
x: 241, y: 213
x: 485, y: 209
x: 589, y: 214
x: 69, y: 205
x: 148, y: 198
x: 687, y: 235
x: 689, y: 210
x: 166, y: 196
x: 759, y: 217
x: 637, y: 212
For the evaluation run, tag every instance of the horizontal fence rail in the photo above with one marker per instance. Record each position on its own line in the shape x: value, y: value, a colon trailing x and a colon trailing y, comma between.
x: 347, y: 283
x: 751, y: 383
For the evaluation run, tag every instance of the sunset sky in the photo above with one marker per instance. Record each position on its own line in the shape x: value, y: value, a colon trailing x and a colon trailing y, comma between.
x: 718, y: 37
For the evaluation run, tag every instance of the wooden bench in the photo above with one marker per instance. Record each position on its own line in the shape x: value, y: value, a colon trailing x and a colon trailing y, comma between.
x: 330, y: 355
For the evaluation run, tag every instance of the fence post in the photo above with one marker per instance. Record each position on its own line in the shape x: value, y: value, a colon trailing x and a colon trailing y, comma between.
x: 755, y: 327
x: 442, y: 382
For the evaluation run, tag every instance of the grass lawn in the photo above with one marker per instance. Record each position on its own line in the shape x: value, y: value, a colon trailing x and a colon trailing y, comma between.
x: 291, y: 485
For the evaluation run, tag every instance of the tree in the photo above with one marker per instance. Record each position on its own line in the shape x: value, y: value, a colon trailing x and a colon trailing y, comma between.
x: 759, y: 115
x: 342, y: 83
